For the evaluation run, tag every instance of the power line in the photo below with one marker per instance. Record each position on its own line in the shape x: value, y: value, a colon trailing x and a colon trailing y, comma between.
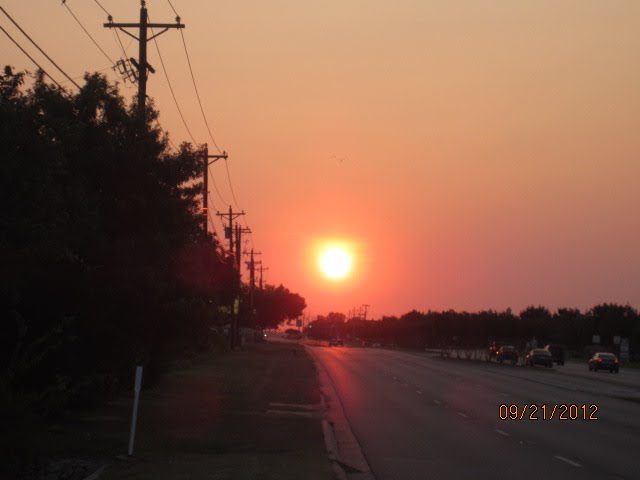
x: 218, y: 191
x: 174, y: 10
x: 82, y: 76
x: 88, y: 34
x: 193, y: 78
x: 38, y: 47
x: 164, y: 69
x: 29, y: 56
x: 226, y: 165
x: 124, y: 50
x: 103, y: 9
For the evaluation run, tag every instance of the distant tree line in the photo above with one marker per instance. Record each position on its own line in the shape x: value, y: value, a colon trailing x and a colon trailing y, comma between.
x: 447, y: 329
x: 104, y: 264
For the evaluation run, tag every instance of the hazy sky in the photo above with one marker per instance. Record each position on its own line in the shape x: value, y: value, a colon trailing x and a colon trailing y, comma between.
x: 474, y: 153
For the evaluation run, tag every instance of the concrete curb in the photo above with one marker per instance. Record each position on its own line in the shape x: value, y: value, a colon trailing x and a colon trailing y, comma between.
x: 343, y: 448
x: 96, y: 475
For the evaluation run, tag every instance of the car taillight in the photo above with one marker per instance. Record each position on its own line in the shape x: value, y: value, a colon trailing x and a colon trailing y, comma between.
x: 615, y: 361
x: 598, y: 359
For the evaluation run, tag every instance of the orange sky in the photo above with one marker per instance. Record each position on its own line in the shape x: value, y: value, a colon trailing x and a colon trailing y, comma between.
x: 476, y: 154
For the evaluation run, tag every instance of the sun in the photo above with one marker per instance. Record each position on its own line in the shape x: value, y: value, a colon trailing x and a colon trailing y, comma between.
x: 335, y: 263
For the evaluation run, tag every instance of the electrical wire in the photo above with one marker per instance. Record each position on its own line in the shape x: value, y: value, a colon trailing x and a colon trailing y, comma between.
x: 29, y: 56
x: 213, y: 225
x: 103, y: 9
x: 88, y: 34
x: 215, y: 186
x: 119, y: 40
x: 193, y: 78
x: 186, y: 51
x: 231, y: 185
x: 209, y: 213
x: 38, y: 47
x: 195, y: 86
x: 174, y: 10
x: 82, y: 76
x: 164, y: 69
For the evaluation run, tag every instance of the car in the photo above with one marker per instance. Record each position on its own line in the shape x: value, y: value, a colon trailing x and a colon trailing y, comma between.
x: 336, y: 342
x: 604, y: 361
x: 493, y: 349
x: 557, y: 352
x: 507, y: 353
x: 539, y: 356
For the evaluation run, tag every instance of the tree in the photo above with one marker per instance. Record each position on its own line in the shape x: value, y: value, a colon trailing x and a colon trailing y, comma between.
x: 610, y: 319
x: 99, y: 225
x: 274, y: 305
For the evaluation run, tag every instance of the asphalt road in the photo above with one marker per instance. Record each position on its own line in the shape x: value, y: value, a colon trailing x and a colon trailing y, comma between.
x: 417, y: 416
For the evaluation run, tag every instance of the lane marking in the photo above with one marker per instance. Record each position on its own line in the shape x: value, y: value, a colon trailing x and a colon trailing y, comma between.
x: 570, y: 462
x: 504, y: 394
x: 502, y: 432
x: 419, y: 392
x: 437, y: 401
x: 405, y: 385
x: 463, y: 415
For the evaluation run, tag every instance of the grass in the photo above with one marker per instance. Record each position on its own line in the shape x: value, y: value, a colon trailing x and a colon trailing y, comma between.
x: 206, y: 419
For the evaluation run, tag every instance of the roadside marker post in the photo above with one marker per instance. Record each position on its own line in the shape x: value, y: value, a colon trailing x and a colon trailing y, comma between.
x: 134, y: 418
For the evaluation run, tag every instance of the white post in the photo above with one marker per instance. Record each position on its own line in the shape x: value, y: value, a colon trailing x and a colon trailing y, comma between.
x: 134, y: 419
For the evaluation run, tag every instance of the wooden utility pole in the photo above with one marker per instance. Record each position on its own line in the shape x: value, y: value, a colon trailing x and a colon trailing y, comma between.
x: 239, y: 232
x: 205, y: 183
x: 262, y: 269
x: 228, y: 231
x: 142, y: 65
x: 251, y: 264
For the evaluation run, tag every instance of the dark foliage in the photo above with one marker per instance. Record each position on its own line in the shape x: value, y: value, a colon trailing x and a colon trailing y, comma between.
x: 104, y: 266
x: 274, y: 305
x: 449, y: 329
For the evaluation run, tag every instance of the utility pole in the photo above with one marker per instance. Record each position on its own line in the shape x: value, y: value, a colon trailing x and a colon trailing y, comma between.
x: 252, y: 284
x: 251, y: 265
x: 205, y: 183
x: 262, y: 269
x: 366, y: 309
x: 228, y: 231
x: 142, y: 65
x: 239, y: 232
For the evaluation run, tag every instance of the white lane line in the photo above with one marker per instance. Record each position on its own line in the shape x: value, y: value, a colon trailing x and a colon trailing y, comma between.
x: 502, y: 432
x: 437, y: 401
x: 504, y: 394
x: 405, y: 385
x: 418, y: 392
x: 570, y: 462
x: 463, y: 415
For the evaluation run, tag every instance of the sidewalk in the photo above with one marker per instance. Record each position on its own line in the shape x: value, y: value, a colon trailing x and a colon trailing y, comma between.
x: 217, y: 418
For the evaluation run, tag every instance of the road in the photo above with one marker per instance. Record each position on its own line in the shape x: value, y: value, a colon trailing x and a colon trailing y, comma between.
x: 417, y: 416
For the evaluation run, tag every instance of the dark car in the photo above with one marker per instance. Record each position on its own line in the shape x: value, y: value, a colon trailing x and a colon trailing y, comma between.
x: 557, y: 352
x: 507, y: 353
x: 493, y: 349
x: 336, y: 342
x: 604, y: 361
x: 539, y: 356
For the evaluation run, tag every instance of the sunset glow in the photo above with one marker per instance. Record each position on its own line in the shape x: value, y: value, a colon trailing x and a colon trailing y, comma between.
x: 478, y: 155
x: 335, y: 263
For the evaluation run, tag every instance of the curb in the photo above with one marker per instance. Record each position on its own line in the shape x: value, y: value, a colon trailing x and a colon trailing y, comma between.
x: 342, y: 446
